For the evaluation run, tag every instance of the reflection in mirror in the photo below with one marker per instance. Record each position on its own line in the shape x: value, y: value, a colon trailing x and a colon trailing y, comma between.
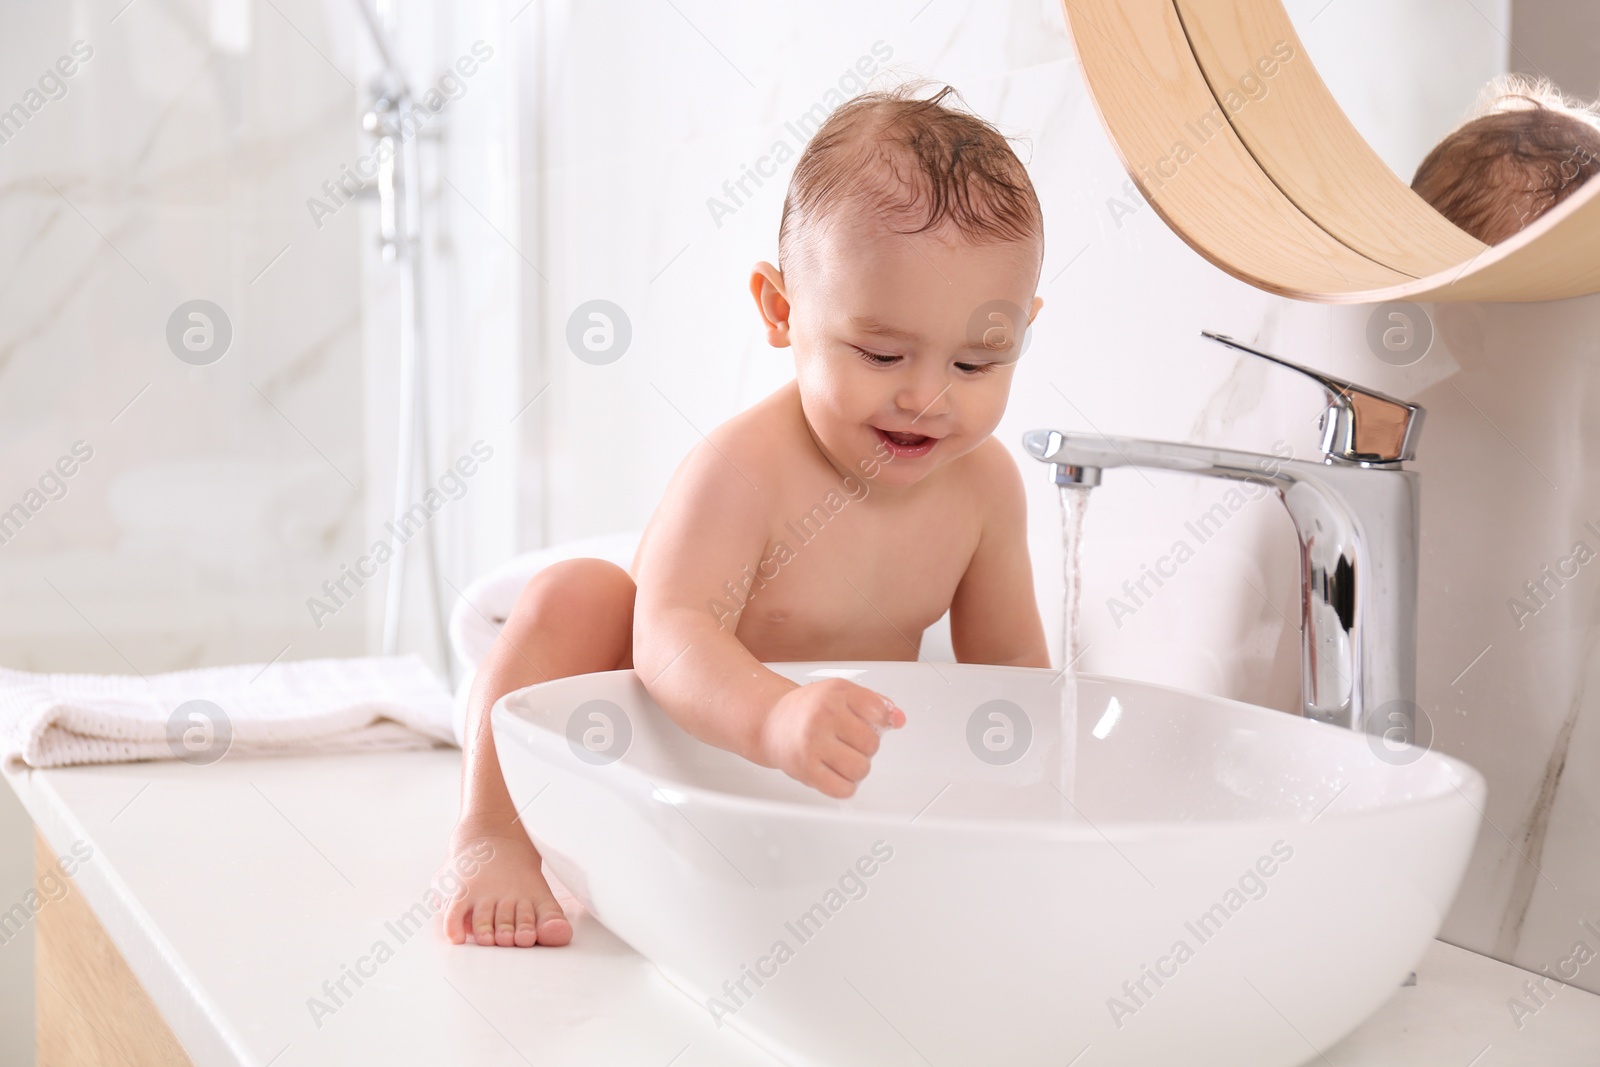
x: 1465, y: 102
x: 1405, y: 73
x: 1523, y: 149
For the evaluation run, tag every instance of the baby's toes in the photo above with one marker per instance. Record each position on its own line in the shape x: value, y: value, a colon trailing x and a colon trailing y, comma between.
x: 483, y: 921
x: 454, y: 914
x: 554, y: 929
x: 527, y: 924
x: 505, y: 921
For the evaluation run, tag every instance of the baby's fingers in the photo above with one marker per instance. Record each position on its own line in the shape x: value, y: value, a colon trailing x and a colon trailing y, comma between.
x: 821, y: 776
x: 860, y: 735
x: 878, y: 711
x: 847, y: 762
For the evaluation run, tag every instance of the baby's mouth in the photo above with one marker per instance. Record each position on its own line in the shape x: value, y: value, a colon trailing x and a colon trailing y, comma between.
x: 904, y: 443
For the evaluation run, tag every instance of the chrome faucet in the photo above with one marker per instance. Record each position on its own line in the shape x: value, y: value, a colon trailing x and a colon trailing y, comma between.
x: 1356, y: 516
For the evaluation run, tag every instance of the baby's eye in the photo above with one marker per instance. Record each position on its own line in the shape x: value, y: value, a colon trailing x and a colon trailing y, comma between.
x: 876, y: 359
x: 975, y: 369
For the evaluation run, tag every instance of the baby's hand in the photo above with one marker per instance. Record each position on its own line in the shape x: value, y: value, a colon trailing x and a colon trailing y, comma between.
x: 826, y: 733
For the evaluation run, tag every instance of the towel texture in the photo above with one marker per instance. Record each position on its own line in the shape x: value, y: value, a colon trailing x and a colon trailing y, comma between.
x: 374, y: 703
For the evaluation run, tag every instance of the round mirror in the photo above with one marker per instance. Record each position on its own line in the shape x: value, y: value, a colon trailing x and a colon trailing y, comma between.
x: 1221, y: 116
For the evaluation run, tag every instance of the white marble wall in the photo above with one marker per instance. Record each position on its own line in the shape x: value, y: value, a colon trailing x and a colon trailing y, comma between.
x: 176, y: 167
x: 176, y: 162
x: 184, y: 161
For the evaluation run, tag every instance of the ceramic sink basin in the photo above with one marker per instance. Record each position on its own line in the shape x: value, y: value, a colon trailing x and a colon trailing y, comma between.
x: 1226, y: 884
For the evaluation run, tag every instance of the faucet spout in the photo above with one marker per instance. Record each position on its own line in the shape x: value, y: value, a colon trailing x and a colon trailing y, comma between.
x: 1357, y: 525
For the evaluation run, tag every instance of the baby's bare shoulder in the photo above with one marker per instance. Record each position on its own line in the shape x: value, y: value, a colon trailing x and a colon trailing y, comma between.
x: 716, y: 504
x: 736, y: 462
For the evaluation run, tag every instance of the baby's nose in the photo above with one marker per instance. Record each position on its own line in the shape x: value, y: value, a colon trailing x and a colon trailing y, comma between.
x: 926, y: 398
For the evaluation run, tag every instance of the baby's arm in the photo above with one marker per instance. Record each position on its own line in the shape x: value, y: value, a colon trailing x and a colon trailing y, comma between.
x: 994, y: 616
x: 710, y: 523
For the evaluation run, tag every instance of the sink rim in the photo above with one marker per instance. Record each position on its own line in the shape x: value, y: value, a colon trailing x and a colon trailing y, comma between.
x: 1468, y: 780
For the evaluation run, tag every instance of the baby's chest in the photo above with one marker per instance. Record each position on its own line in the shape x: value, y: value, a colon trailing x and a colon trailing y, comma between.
x: 857, y: 572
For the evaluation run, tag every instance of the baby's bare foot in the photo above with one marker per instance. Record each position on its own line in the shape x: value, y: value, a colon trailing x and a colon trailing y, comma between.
x: 504, y: 899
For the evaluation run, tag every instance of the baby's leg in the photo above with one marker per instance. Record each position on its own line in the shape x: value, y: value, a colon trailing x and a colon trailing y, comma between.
x: 574, y: 617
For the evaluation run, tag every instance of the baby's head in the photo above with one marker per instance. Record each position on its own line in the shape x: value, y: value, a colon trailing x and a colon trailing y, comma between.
x: 909, y: 253
x: 1525, y: 149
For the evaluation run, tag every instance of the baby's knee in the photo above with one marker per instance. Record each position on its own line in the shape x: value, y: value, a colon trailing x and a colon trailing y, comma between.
x: 579, y: 586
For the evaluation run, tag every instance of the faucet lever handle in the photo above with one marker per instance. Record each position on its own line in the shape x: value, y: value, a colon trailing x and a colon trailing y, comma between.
x: 1360, y: 425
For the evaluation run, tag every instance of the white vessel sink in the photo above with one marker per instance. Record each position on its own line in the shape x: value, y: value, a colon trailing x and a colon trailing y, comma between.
x: 1230, y: 885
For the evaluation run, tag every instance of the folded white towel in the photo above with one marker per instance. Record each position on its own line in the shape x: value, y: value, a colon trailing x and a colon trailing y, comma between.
x: 373, y: 703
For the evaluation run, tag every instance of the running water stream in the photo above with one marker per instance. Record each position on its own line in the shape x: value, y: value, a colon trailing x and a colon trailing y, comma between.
x: 1074, y: 501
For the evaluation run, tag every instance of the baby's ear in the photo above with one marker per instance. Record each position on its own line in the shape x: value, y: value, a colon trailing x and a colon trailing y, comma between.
x: 766, y: 285
x: 1038, y: 302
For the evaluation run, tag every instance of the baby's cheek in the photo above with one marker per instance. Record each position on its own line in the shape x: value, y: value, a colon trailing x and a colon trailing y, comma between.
x: 992, y: 410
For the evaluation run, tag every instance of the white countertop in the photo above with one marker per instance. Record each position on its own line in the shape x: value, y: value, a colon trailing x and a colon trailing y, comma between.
x: 235, y: 891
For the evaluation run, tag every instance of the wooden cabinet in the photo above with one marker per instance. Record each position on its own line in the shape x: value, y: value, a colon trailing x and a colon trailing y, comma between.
x: 91, y: 1010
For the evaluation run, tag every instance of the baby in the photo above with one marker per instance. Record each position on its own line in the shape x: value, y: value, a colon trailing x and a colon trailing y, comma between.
x: 834, y: 520
x: 1525, y: 150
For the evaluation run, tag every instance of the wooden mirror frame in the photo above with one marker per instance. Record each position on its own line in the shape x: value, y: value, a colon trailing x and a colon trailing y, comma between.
x: 1279, y: 189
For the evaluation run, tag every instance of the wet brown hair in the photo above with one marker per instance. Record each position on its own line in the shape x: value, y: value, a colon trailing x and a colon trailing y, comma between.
x: 1525, y: 149
x: 945, y: 166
